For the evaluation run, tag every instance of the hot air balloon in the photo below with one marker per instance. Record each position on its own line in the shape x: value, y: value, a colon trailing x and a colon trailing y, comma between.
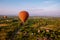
x: 23, y: 16
x: 4, y: 17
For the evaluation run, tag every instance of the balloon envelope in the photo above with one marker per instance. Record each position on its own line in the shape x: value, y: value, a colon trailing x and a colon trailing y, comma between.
x: 23, y: 15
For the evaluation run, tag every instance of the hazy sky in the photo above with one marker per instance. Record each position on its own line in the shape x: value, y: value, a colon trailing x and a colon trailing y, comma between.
x: 34, y: 7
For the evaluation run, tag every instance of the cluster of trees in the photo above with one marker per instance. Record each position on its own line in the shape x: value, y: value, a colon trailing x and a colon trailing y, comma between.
x: 33, y: 29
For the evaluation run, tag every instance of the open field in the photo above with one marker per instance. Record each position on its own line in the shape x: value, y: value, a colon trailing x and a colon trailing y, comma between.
x: 35, y: 28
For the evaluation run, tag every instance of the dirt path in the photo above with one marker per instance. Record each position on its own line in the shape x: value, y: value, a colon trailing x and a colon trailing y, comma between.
x: 3, y: 24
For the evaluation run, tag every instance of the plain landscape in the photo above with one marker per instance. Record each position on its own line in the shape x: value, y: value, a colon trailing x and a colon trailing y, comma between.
x: 35, y: 28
